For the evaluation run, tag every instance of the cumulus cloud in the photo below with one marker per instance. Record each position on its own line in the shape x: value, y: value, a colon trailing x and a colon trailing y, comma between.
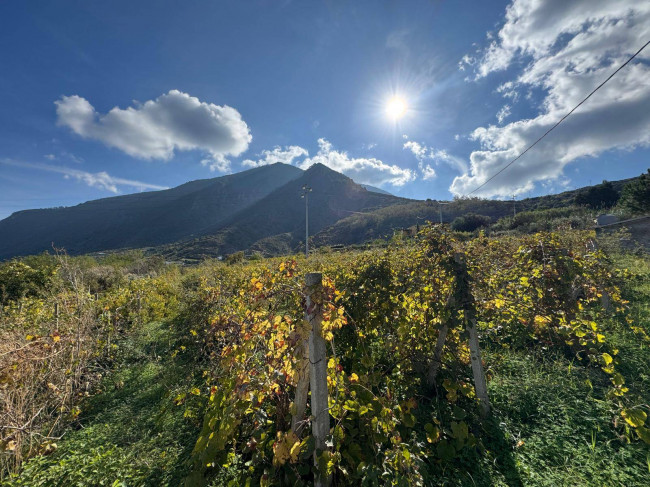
x: 427, y: 155
x: 563, y: 50
x: 362, y: 170
x: 101, y: 180
x: 156, y: 129
x: 287, y: 156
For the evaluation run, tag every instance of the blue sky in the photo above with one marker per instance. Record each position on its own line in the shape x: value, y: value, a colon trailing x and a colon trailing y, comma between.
x: 105, y: 98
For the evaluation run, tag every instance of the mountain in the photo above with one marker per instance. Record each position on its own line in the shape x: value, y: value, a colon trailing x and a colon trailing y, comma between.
x: 276, y: 223
x: 142, y: 219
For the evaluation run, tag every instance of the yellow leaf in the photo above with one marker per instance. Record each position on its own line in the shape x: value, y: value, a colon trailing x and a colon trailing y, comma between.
x: 354, y: 377
x: 634, y: 417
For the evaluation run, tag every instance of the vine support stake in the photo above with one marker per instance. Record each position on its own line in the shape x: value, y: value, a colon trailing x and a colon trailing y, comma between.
x: 436, y: 362
x: 56, y: 314
x: 302, y: 357
x: 469, y: 311
x: 318, y: 374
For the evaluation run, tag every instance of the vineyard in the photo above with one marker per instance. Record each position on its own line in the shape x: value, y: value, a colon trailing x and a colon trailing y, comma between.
x: 200, y: 376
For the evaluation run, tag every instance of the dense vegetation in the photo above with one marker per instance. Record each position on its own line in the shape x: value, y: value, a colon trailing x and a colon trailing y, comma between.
x: 155, y: 375
x: 635, y: 197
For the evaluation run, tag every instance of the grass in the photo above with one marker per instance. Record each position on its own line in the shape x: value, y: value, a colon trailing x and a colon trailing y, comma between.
x: 551, y: 422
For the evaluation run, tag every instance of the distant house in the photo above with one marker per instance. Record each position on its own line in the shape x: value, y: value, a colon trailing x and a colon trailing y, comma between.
x: 605, y: 219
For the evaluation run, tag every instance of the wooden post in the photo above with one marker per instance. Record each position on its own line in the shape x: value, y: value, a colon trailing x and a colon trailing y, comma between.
x: 469, y: 311
x: 312, y: 281
x: 436, y: 362
x: 318, y: 374
x: 56, y: 314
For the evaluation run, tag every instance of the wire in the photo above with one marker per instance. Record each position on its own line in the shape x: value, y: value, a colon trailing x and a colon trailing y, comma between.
x: 559, y: 122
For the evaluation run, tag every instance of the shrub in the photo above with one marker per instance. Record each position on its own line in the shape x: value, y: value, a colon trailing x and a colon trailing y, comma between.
x: 636, y: 195
x: 470, y: 222
x: 600, y: 196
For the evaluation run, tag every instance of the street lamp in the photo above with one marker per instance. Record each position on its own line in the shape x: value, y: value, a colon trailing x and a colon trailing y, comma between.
x: 305, y: 194
x: 440, y: 203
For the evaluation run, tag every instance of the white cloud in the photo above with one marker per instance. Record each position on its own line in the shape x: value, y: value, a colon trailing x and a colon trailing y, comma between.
x: 503, y: 113
x: 157, y: 128
x: 425, y: 154
x: 277, y: 154
x: 101, y: 180
x: 563, y: 50
x: 362, y: 170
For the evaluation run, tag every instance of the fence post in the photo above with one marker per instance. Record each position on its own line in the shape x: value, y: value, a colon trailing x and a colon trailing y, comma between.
x: 469, y: 311
x: 318, y: 374
x: 312, y: 281
x: 434, y: 367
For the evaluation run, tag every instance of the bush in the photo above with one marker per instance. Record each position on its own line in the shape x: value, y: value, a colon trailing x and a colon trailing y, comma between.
x: 235, y: 258
x: 29, y: 277
x: 636, y: 195
x: 470, y: 222
x: 600, y: 196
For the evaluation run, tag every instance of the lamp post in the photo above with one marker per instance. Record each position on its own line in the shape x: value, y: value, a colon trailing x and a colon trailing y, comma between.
x: 305, y: 194
x: 440, y: 203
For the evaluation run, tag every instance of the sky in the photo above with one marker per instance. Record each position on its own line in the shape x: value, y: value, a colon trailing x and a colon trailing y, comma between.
x: 100, y: 98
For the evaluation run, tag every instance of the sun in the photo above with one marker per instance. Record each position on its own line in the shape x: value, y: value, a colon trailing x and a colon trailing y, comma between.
x: 396, y: 107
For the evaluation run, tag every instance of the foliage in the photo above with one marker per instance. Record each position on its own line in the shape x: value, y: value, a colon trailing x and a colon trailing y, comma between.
x: 536, y: 293
x: 470, y: 222
x: 635, y: 197
x: 600, y: 196
x: 26, y: 278
x: 565, y: 355
x: 50, y: 346
x: 549, y: 220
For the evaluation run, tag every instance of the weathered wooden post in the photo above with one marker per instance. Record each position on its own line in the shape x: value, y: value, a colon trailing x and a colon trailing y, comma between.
x: 312, y: 281
x: 139, y: 309
x: 436, y: 362
x: 318, y: 374
x: 469, y: 310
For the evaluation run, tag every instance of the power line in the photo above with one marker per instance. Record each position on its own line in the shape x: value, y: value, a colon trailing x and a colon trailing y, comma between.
x: 559, y: 122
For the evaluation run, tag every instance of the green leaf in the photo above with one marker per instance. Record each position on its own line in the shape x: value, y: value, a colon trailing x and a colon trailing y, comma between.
x: 445, y: 450
x: 644, y: 433
x: 433, y: 432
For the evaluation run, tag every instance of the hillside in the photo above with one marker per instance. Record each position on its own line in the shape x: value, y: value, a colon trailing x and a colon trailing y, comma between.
x: 143, y: 219
x: 382, y: 223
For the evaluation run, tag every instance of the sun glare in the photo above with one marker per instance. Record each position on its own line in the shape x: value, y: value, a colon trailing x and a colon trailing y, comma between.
x: 396, y: 107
